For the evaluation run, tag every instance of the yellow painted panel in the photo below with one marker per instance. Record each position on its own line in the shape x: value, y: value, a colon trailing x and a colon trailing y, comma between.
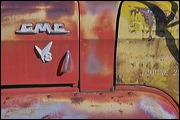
x: 148, y: 45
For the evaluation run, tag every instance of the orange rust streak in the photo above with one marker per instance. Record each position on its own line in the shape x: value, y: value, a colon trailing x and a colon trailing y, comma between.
x: 104, y: 25
x: 83, y: 10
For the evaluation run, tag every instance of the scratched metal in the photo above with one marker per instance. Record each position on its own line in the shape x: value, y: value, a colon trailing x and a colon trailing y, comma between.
x: 118, y: 104
x: 148, y: 45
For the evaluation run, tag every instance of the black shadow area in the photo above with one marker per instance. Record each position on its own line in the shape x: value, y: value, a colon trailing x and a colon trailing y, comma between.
x: 59, y: 69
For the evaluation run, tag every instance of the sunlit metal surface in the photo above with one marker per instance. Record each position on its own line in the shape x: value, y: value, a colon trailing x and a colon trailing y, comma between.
x: 122, y: 103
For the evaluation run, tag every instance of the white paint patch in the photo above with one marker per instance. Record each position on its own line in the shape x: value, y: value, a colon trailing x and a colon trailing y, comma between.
x: 93, y: 65
x: 153, y: 108
x: 42, y: 109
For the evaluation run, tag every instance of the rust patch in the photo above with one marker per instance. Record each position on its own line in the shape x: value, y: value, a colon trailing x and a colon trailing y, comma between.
x: 46, y: 117
x: 53, y: 116
x: 75, y: 94
x: 156, y: 65
x: 116, y: 97
x: 77, y: 99
x: 104, y: 25
x: 7, y: 98
x: 130, y: 103
x: 49, y: 96
x: 101, y: 94
x: 94, y: 105
x: 130, y: 93
x: 25, y: 105
x: 121, y: 111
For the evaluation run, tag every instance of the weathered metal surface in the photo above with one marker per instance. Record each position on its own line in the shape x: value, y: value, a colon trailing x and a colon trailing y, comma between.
x: 124, y: 103
x: 20, y: 62
x: 146, y: 54
x: 97, y: 41
x: 148, y: 45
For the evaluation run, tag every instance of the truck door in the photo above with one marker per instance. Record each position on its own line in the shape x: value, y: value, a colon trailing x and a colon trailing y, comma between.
x: 39, y: 42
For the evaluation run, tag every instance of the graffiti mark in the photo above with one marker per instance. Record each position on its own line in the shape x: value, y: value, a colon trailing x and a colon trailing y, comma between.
x: 162, y: 22
x: 147, y: 15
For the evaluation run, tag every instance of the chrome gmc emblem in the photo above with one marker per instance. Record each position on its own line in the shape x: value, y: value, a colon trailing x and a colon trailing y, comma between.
x: 58, y: 29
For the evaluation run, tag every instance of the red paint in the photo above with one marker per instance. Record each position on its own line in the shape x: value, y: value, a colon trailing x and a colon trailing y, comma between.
x: 104, y: 28
x: 125, y: 103
x: 97, y: 51
x: 39, y: 90
x: 83, y: 10
x: 96, y: 73
x: 21, y: 66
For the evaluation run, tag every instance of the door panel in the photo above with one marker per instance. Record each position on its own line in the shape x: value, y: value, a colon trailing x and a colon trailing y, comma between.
x: 98, y: 34
x: 20, y: 60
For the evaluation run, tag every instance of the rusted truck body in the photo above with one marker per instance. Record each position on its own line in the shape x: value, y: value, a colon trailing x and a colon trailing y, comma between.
x: 89, y: 59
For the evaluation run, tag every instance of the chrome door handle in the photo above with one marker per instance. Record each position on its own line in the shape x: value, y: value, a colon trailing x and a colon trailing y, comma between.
x: 66, y: 61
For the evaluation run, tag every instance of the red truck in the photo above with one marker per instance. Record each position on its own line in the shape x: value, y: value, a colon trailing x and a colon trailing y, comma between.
x: 89, y: 59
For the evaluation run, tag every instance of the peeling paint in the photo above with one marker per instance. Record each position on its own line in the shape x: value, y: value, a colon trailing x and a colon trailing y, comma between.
x: 145, y: 61
x: 120, y: 104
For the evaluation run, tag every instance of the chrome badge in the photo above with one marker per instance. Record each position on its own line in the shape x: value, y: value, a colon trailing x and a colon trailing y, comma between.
x: 45, y: 54
x: 58, y: 29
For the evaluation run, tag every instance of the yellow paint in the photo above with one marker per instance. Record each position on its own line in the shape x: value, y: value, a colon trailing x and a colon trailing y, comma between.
x: 138, y: 21
x: 88, y: 24
x: 9, y: 24
x: 143, y: 61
